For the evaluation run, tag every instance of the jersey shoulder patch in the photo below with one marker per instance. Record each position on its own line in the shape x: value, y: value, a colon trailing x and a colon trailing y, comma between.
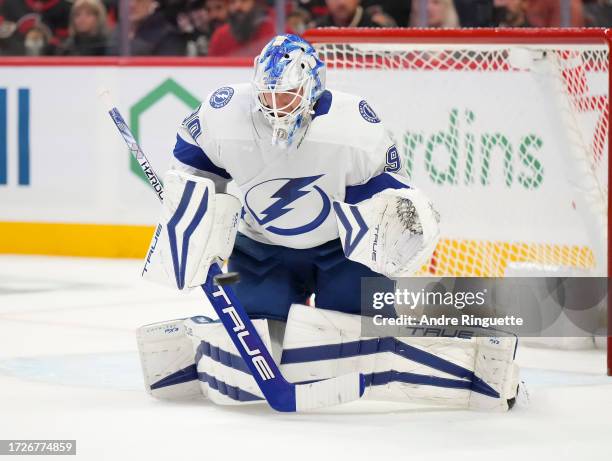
x: 367, y: 112
x: 221, y: 97
x: 226, y: 112
x: 350, y: 122
x: 353, y: 109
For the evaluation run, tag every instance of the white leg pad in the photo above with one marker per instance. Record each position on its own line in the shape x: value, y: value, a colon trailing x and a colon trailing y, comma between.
x: 495, y: 366
x: 321, y: 344
x: 223, y: 375
x: 166, y: 356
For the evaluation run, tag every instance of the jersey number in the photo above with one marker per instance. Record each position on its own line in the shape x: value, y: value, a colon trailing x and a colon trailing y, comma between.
x: 393, y: 160
x: 192, y: 123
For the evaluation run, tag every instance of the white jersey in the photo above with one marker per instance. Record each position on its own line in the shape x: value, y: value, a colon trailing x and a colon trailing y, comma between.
x: 287, y: 194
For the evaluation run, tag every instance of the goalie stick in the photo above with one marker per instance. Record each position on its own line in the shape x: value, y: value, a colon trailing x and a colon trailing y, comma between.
x: 280, y: 394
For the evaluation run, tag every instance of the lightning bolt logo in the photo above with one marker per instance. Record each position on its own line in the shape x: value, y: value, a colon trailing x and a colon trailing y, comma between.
x: 292, y: 190
x: 221, y: 97
x: 286, y: 195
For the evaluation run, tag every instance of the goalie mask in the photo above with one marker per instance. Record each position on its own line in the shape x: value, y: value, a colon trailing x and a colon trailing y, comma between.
x: 289, y: 78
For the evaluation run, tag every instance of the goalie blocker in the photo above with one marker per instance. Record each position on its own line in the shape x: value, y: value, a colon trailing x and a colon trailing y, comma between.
x: 196, y: 228
x: 195, y: 357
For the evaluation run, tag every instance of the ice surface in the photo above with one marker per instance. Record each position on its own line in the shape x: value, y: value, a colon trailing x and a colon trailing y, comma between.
x: 69, y: 370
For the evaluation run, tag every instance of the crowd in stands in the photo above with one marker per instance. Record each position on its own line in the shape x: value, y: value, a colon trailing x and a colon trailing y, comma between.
x: 242, y: 27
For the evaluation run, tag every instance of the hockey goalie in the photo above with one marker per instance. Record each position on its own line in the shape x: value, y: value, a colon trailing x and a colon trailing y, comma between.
x: 302, y: 190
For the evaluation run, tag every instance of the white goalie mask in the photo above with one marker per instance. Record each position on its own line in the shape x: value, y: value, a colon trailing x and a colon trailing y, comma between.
x: 289, y: 78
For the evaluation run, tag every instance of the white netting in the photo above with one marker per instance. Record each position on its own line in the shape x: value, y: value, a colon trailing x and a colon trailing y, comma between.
x: 511, y: 141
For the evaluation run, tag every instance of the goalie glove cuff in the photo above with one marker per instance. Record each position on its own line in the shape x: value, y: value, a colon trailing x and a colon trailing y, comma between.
x: 393, y: 233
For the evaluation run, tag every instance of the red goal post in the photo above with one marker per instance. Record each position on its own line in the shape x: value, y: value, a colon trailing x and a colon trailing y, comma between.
x: 495, y: 112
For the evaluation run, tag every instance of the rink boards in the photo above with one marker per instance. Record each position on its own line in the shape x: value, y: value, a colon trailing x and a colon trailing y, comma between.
x: 490, y: 150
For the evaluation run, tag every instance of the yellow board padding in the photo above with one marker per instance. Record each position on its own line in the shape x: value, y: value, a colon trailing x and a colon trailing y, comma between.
x: 90, y: 240
x: 452, y: 257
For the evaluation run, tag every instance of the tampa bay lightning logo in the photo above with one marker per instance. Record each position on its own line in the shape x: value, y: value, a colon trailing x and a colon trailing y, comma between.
x: 221, y: 97
x: 288, y: 206
x: 368, y: 113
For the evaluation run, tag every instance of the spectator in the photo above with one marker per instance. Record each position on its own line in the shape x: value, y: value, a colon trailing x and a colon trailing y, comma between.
x: 150, y: 32
x: 398, y: 10
x: 298, y: 20
x: 199, y: 21
x: 111, y: 10
x: 475, y: 13
x: 379, y: 16
x: 34, y: 37
x: 193, y: 23
x: 598, y: 13
x: 112, y: 13
x: 88, y: 35
x: 510, y: 13
x: 9, y: 45
x: 217, y: 13
x: 316, y: 8
x: 37, y: 41
x: 440, y: 13
x: 350, y: 13
x: 172, y: 9
x: 547, y: 13
x: 247, y: 31
x: 52, y: 13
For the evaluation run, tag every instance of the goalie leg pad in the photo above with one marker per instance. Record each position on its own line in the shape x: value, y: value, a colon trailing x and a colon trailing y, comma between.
x: 166, y: 356
x: 222, y: 374
x: 495, y: 366
x: 321, y: 344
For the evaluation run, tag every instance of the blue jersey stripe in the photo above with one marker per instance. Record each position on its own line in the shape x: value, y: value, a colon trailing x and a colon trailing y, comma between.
x: 356, y: 194
x: 195, y: 157
x: 323, y: 104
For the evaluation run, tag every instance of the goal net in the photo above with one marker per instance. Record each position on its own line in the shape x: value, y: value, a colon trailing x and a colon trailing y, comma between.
x: 506, y: 131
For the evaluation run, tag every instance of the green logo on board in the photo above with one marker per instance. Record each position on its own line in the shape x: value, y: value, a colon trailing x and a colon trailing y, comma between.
x: 167, y: 88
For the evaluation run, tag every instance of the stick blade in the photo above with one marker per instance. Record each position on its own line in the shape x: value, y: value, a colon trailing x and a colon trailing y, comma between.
x: 334, y: 391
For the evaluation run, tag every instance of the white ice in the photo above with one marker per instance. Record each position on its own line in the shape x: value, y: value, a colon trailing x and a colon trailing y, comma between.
x: 69, y: 370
